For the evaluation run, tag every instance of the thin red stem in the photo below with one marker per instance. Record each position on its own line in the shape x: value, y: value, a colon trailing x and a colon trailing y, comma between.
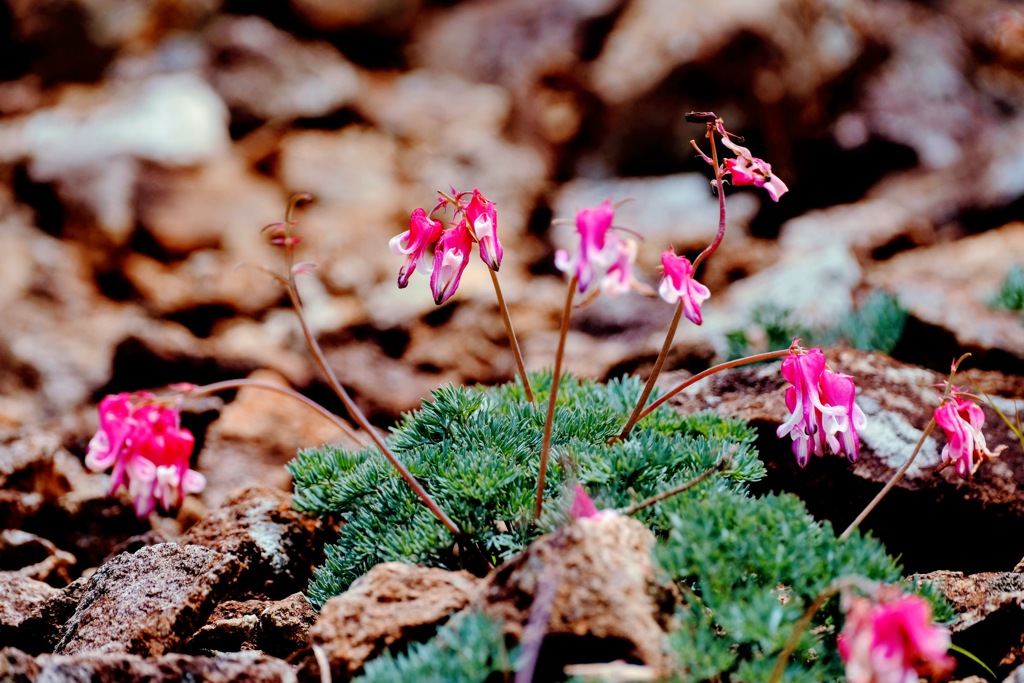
x: 512, y: 340
x: 549, y: 422
x: 658, y: 365
x: 721, y: 204
x: 771, y: 355
x: 256, y: 384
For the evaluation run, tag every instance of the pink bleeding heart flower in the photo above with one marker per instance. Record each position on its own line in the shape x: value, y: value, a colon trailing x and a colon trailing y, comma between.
x: 678, y: 284
x: 148, y: 449
x: 582, y: 504
x: 893, y: 640
x: 450, y: 258
x: 591, y: 259
x: 822, y: 409
x: 961, y: 419
x: 483, y: 219
x: 746, y: 169
x: 414, y: 243
x: 618, y: 279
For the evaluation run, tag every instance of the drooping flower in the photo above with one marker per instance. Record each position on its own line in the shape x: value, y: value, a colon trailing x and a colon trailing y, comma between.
x: 483, y: 218
x: 893, y: 640
x: 423, y: 232
x: 822, y: 409
x: 148, y: 449
x: 961, y: 419
x: 678, y: 284
x: 592, y: 258
x: 746, y: 169
x: 450, y: 258
x: 618, y: 279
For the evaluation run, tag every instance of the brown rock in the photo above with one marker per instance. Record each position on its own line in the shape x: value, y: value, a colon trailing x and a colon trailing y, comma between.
x: 41, y: 630
x: 149, y: 602
x: 326, y: 15
x: 123, y: 668
x: 390, y: 604
x: 606, y: 591
x: 33, y: 557
x: 20, y: 596
x: 265, y: 73
x: 277, y: 546
x: 277, y: 627
x: 950, y: 286
x: 990, y: 614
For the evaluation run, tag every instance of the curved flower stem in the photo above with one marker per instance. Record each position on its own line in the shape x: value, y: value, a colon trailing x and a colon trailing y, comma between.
x: 771, y: 355
x: 208, y: 389
x: 711, y: 248
x: 839, y: 584
x: 512, y: 340
x: 910, y: 460
x: 353, y: 410
x: 717, y: 467
x: 892, y: 482
x: 658, y: 365
x: 549, y: 422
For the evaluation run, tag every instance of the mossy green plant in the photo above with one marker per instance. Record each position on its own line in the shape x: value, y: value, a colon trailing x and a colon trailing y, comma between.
x: 475, y: 449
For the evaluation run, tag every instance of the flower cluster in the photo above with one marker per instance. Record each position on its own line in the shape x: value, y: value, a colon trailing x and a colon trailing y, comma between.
x: 893, y: 640
x: 822, y: 409
x: 149, y: 451
x: 604, y: 256
x: 961, y: 419
x: 745, y: 168
x: 475, y: 220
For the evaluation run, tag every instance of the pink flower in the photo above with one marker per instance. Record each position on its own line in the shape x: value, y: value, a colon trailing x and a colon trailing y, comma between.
x: 450, y: 259
x: 618, y: 279
x: 822, y: 408
x: 483, y: 219
x: 678, y: 284
x: 746, y: 169
x: 414, y: 243
x: 582, y: 504
x: 962, y: 420
x: 893, y: 640
x: 149, y: 451
x: 592, y: 258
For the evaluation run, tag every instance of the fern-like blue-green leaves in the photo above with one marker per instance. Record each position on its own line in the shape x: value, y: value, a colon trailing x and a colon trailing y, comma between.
x: 752, y: 567
x: 476, y: 451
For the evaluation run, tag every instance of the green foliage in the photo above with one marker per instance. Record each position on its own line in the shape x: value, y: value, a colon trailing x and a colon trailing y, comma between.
x: 469, y: 649
x: 476, y: 451
x: 752, y: 567
x: 1011, y: 296
x: 876, y: 325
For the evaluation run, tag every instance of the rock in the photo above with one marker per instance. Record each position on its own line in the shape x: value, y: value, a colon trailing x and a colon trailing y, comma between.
x: 41, y: 630
x: 325, y: 15
x: 224, y: 668
x: 391, y: 604
x: 33, y: 557
x: 990, y: 614
x: 149, y: 602
x: 276, y: 546
x: 950, y: 285
x: 277, y: 627
x: 898, y: 401
x: 265, y: 73
x: 20, y: 597
x: 606, y: 591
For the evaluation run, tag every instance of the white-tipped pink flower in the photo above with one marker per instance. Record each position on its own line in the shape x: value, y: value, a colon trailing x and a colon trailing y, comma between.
x: 483, y: 219
x: 893, y: 640
x: 746, y: 169
x: 961, y: 419
x: 414, y: 243
x: 148, y: 449
x: 823, y: 415
x: 450, y: 258
x: 677, y: 284
x: 591, y: 260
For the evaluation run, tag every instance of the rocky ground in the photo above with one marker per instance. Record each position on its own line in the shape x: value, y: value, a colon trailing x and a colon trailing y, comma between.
x: 144, y: 146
